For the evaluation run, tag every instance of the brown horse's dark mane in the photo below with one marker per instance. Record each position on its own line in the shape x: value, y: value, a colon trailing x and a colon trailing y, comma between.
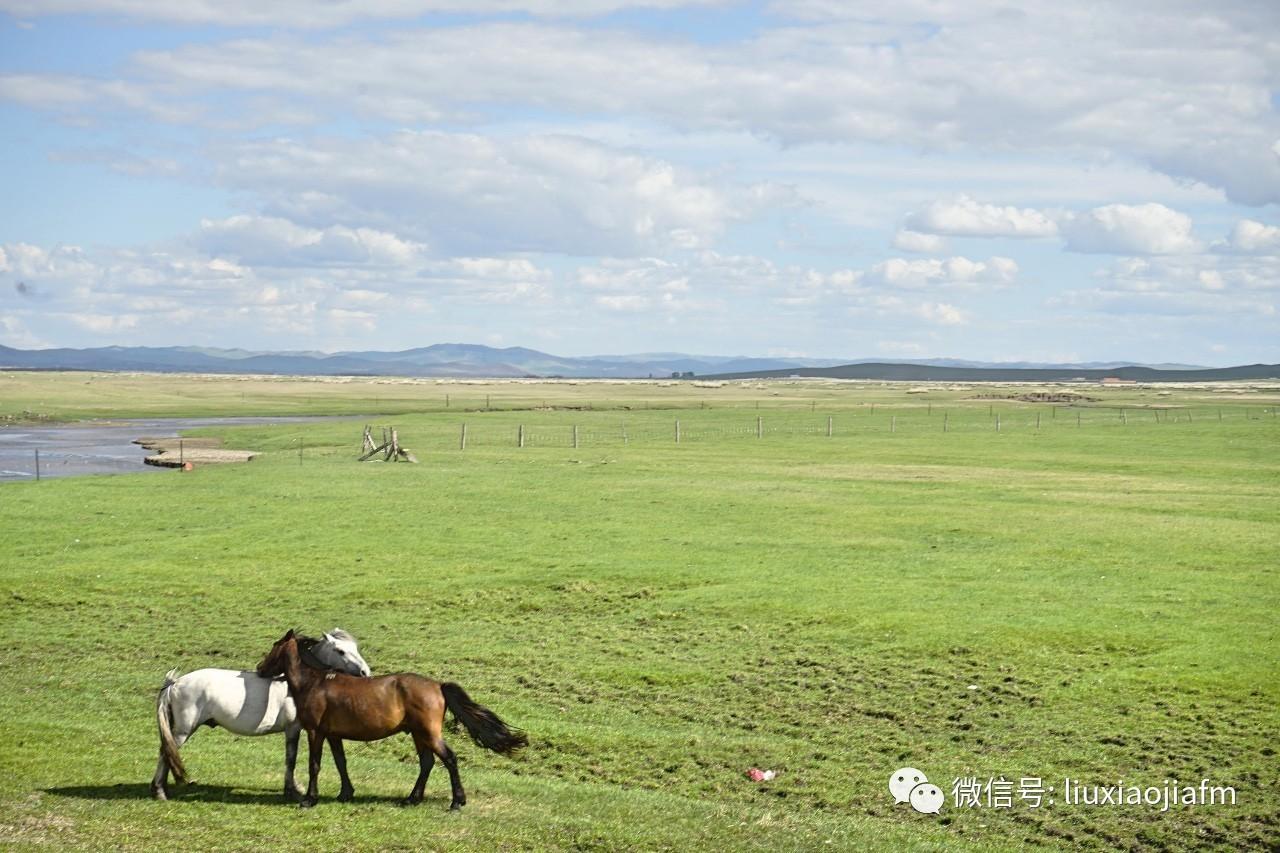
x: 307, y: 656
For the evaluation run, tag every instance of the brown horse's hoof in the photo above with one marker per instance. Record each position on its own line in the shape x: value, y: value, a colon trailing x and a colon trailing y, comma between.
x: 306, y: 803
x: 159, y: 794
x: 346, y: 796
x: 457, y: 805
x: 293, y: 795
x: 409, y: 801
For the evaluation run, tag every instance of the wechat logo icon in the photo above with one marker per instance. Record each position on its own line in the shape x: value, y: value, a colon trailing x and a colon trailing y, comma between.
x: 909, y: 785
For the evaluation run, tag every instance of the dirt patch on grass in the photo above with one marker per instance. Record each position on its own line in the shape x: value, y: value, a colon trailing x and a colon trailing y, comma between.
x: 1040, y: 397
x: 174, y: 453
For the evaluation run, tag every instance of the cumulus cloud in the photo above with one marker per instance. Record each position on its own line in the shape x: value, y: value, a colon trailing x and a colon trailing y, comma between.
x: 1233, y: 274
x: 465, y: 193
x: 914, y: 241
x: 1251, y: 236
x: 1151, y: 229
x: 1181, y: 285
x: 965, y: 217
x: 286, y: 279
x: 942, y: 314
x: 302, y: 14
x: 275, y: 242
x: 921, y: 273
x: 1187, y: 94
x: 105, y: 323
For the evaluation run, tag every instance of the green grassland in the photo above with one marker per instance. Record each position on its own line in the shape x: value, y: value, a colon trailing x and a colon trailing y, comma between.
x: 1094, y: 597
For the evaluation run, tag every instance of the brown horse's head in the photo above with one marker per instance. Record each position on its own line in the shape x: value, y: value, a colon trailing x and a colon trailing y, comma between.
x: 277, y: 660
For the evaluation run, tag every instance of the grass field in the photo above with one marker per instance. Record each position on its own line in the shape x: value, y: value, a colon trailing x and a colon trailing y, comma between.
x: 1093, y: 599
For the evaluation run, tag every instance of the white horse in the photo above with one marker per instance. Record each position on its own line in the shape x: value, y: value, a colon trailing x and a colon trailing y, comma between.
x: 242, y: 702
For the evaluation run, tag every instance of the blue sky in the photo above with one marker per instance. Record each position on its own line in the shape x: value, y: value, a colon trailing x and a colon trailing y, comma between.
x: 921, y: 178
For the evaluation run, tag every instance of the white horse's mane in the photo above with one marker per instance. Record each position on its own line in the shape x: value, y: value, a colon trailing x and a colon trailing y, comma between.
x: 339, y: 634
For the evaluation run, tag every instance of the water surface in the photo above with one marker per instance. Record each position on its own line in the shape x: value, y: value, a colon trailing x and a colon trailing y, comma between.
x: 98, y: 447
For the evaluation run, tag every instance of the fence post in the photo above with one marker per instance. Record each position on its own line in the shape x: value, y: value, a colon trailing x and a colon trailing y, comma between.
x: 1123, y: 418
x: 893, y: 424
x: 944, y: 421
x: 1037, y: 420
x: 677, y: 432
x: 828, y: 426
x: 624, y: 433
x: 1219, y: 415
x: 1077, y: 417
x: 520, y: 436
x: 462, y: 445
x: 575, y: 435
x: 486, y: 402
x: 299, y: 450
x: 182, y: 458
x: 37, y: 464
x: 759, y: 427
x: 930, y: 412
x: 997, y: 423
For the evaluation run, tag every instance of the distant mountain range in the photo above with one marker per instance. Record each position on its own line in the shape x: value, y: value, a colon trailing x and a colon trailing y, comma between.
x: 474, y: 360
x: 443, y: 360
x: 922, y: 372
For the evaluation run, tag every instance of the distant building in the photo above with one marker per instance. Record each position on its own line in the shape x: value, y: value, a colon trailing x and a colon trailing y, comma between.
x: 1116, y: 380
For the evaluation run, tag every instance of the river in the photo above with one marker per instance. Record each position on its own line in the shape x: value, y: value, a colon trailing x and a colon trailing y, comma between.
x: 98, y: 447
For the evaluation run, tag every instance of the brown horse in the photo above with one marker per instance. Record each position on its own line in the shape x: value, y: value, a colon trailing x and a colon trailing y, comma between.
x: 334, y: 707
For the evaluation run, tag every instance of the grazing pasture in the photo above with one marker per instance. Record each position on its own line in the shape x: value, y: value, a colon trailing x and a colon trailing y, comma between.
x: 1092, y: 599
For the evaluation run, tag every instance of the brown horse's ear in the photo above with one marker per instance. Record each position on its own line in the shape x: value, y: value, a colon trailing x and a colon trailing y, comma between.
x: 288, y: 636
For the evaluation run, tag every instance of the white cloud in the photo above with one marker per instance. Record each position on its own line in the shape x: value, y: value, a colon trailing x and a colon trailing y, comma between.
x: 1251, y: 236
x: 965, y: 217
x: 1151, y: 229
x: 942, y: 314
x: 305, y: 14
x: 288, y: 280
x: 105, y: 323
x: 1204, y: 286
x: 465, y: 193
x: 14, y: 332
x: 632, y: 302
x: 914, y: 241
x: 1187, y: 94
x: 270, y: 241
x: 920, y: 273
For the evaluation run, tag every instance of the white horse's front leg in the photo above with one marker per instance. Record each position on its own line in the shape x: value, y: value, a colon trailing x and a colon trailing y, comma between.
x: 292, y: 733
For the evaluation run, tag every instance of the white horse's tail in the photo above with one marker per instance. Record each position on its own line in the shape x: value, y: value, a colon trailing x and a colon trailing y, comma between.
x: 168, y: 746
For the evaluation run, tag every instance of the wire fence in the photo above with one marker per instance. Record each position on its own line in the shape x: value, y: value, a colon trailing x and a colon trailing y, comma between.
x: 603, y: 429
x: 28, y: 459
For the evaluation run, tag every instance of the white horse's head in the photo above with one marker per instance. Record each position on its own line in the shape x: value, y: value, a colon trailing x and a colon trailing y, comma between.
x: 337, y: 650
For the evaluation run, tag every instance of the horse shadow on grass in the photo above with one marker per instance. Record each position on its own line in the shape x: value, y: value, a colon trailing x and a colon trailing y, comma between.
x: 198, y: 793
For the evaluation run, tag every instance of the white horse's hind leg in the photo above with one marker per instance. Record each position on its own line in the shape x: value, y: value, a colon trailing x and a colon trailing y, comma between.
x: 291, y: 737
x: 159, y: 782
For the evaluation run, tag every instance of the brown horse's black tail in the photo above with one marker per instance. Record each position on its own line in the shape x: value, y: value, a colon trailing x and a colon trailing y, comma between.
x: 482, y: 724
